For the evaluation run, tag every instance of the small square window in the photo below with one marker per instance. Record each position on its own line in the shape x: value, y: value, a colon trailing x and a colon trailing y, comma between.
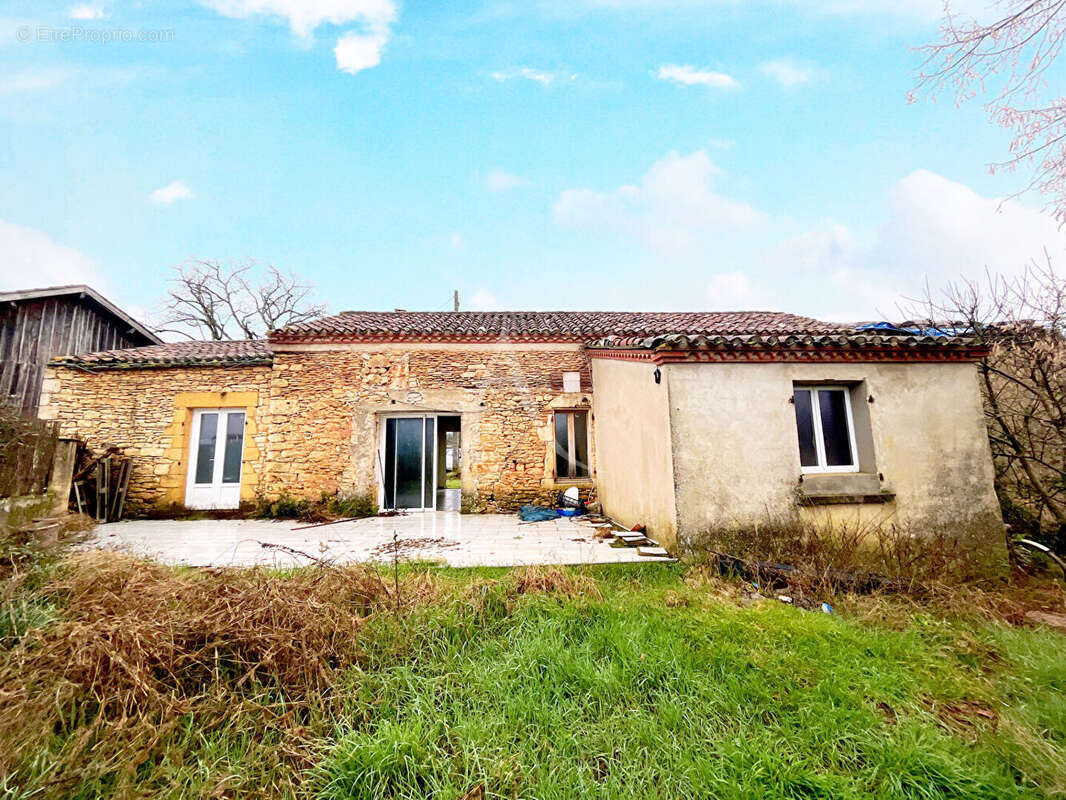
x: 571, y: 381
x: 826, y: 429
x: 571, y: 444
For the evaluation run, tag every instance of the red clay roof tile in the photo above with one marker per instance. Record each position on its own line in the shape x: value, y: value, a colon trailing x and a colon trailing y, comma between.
x: 577, y: 326
x: 243, y: 352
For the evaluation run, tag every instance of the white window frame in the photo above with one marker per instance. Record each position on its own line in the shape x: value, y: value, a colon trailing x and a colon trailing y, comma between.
x: 218, y: 494
x: 819, y: 437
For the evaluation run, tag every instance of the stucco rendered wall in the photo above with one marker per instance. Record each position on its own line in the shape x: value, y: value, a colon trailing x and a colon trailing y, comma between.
x: 327, y: 403
x: 634, y: 463
x: 736, y: 457
x: 148, y: 413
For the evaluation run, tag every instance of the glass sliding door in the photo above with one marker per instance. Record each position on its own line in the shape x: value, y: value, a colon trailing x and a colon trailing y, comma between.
x: 429, y: 461
x: 409, y: 465
x: 409, y: 462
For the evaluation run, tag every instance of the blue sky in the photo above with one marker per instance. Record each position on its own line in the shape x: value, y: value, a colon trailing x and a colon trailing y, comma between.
x: 624, y: 154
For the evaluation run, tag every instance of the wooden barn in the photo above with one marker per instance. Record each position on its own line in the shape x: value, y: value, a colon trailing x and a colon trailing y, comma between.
x: 37, y: 325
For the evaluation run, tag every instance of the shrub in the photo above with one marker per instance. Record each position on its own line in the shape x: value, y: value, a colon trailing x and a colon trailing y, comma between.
x: 327, y: 508
x: 284, y: 506
x: 362, y: 505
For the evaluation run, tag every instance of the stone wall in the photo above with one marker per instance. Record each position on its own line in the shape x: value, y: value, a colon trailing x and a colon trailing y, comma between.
x: 315, y: 417
x: 327, y: 407
x: 148, y: 412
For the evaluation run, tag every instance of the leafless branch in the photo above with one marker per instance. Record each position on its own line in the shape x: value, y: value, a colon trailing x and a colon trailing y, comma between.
x: 208, y: 300
x: 1022, y: 321
x: 1008, y: 60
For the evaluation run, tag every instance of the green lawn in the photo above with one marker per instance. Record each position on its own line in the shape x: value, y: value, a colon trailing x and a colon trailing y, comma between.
x: 627, y: 697
x: 633, y: 682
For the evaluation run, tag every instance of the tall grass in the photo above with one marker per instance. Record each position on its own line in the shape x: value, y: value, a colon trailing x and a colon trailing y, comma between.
x: 629, y: 698
x: 627, y: 681
x: 825, y: 556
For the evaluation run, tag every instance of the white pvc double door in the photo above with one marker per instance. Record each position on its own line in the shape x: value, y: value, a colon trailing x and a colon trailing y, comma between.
x: 216, y: 447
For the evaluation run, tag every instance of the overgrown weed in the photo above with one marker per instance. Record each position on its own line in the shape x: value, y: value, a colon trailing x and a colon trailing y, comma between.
x: 135, y: 651
x: 142, y: 680
x: 828, y: 559
x: 553, y: 581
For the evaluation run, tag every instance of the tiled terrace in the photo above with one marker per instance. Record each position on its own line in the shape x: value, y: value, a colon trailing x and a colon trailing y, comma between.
x: 455, y: 539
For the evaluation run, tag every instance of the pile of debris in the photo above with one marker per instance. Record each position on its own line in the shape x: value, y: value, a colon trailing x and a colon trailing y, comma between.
x: 100, y: 484
x: 633, y: 537
x: 603, y: 528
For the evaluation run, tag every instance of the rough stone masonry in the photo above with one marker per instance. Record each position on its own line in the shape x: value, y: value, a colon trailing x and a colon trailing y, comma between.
x: 314, y: 416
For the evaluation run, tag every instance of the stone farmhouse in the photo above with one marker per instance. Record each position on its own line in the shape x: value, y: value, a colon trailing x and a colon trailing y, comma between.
x: 684, y: 422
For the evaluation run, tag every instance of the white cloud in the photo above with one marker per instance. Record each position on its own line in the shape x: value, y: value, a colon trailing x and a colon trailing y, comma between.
x: 456, y: 240
x: 500, y: 180
x: 31, y: 259
x: 912, y: 9
x: 355, y: 50
x: 540, y: 76
x: 359, y: 51
x: 935, y: 231
x: 690, y: 76
x: 175, y: 190
x: 482, y: 300
x: 786, y: 72
x: 953, y: 229
x: 305, y: 15
x: 730, y: 254
x: 674, y: 210
x: 84, y: 11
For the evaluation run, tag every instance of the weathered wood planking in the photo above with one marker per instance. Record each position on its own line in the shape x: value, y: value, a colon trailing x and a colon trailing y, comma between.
x: 35, y: 330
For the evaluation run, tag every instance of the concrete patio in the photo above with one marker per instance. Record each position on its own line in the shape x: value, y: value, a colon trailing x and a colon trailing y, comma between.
x: 448, y: 537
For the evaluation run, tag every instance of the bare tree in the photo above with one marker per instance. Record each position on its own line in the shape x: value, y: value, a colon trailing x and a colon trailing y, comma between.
x: 208, y: 300
x: 1022, y: 322
x: 1008, y: 59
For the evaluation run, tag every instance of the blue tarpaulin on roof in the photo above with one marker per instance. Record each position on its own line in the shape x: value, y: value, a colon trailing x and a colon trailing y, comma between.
x: 888, y: 327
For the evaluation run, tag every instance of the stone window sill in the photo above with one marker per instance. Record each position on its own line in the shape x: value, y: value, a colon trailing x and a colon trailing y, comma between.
x: 820, y: 499
x: 843, y: 488
x: 568, y: 482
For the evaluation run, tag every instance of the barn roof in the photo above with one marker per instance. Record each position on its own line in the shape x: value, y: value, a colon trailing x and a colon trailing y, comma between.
x: 80, y: 290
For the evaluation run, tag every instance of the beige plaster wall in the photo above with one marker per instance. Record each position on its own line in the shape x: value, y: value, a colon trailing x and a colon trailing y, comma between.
x: 736, y: 459
x: 633, y: 447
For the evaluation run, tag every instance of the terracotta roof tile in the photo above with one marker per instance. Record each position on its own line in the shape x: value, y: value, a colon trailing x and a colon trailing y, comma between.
x: 175, y: 354
x: 550, y: 325
x: 846, y: 338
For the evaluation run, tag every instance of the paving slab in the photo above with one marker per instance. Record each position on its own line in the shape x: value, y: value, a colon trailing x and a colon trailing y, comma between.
x: 653, y: 552
x: 460, y: 540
